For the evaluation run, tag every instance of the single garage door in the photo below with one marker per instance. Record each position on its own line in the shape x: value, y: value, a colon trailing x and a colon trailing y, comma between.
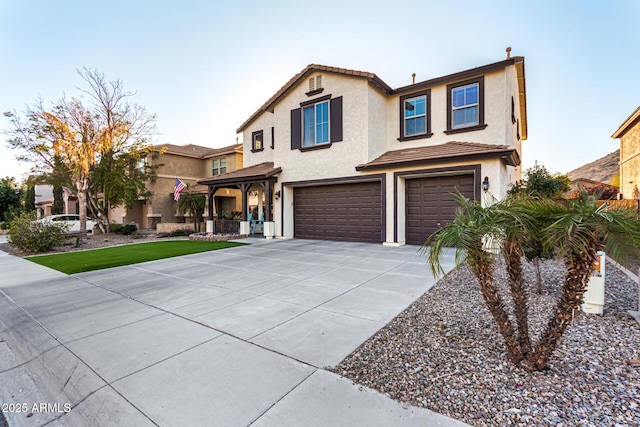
x: 345, y: 212
x: 430, y: 204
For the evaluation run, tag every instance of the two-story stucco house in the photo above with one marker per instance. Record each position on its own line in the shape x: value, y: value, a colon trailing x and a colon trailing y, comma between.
x: 189, y: 163
x: 338, y: 154
x: 629, y: 134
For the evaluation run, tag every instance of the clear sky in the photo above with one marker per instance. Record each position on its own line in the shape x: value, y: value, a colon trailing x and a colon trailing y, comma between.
x: 205, y: 66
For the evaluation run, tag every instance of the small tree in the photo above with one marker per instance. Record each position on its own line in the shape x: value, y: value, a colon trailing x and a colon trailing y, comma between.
x: 9, y: 198
x: 30, y: 199
x: 539, y: 182
x: 58, y: 200
x: 193, y: 203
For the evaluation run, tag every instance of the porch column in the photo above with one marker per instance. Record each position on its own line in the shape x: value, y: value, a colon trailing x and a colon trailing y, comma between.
x: 244, y: 223
x: 244, y: 188
x: 212, y: 191
x: 209, y: 224
x: 269, y: 227
x: 267, y: 197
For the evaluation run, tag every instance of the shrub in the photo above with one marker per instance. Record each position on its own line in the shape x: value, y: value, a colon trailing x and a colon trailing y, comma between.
x: 125, y: 229
x: 32, y: 236
x: 177, y: 233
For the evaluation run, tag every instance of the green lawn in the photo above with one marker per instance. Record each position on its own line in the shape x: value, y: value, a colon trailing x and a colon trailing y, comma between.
x: 97, y: 259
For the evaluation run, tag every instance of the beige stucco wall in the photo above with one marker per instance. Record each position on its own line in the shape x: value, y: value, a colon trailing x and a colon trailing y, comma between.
x: 340, y: 159
x: 630, y: 163
x: 160, y: 206
x: 371, y: 127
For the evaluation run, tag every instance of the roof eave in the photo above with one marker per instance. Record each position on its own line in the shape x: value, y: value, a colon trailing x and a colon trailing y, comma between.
x: 221, y: 180
x: 293, y: 82
x: 627, y: 124
x: 522, y: 95
x: 510, y: 157
x: 460, y: 75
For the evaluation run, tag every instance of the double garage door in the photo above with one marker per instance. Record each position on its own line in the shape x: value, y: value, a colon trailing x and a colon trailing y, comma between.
x: 345, y: 212
x: 353, y: 212
x: 430, y: 203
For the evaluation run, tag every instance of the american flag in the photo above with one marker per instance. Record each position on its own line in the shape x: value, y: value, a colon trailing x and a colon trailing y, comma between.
x: 178, y: 188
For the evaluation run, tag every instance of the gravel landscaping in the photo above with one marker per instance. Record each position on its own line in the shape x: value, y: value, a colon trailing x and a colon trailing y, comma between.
x: 445, y: 353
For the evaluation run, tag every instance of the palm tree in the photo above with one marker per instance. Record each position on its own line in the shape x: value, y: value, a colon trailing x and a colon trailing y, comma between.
x: 578, y: 230
x: 193, y: 203
x: 472, y: 227
x: 575, y: 229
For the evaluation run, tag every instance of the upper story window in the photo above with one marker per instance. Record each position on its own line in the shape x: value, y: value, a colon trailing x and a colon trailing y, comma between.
x: 315, y: 124
x: 465, y: 106
x: 415, y: 116
x: 415, y: 120
x: 257, y: 141
x: 141, y: 164
x: 219, y: 166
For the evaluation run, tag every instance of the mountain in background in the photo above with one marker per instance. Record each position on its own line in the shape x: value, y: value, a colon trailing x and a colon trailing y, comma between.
x: 602, y: 170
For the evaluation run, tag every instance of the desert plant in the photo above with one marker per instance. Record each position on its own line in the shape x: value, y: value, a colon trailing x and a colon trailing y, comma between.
x: 193, y: 203
x: 29, y: 235
x: 575, y: 229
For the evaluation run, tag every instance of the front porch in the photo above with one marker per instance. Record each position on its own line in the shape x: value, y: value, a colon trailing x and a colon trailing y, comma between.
x: 256, y: 185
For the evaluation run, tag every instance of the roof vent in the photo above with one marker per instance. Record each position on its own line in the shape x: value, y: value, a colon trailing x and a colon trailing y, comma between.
x: 508, y: 52
x: 315, y: 83
x: 413, y: 78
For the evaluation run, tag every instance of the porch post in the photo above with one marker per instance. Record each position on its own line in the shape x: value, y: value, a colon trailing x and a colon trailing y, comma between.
x: 267, y: 191
x: 268, y: 228
x: 244, y: 223
x: 245, y: 202
x: 209, y: 223
x: 212, y: 190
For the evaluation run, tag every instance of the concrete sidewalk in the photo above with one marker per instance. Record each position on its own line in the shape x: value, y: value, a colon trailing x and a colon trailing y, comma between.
x: 234, y: 337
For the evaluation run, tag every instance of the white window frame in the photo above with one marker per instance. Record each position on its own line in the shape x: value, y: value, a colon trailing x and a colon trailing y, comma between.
x: 465, y: 106
x: 405, y: 118
x: 218, y: 166
x: 315, y: 124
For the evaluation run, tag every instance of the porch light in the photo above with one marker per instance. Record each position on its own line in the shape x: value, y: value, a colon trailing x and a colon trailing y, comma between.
x: 277, y: 194
x: 485, y: 184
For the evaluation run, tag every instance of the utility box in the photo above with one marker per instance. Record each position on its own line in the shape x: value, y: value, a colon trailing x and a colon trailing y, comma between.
x: 594, y: 296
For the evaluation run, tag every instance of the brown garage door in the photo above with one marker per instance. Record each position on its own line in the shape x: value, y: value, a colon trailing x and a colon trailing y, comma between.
x: 430, y: 204
x: 345, y: 212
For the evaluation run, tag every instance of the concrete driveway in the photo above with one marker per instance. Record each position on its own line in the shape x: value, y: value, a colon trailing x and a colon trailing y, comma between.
x: 236, y: 337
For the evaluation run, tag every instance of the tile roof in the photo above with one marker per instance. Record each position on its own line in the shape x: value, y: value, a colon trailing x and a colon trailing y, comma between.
x: 386, y: 89
x: 192, y: 150
x: 257, y: 172
x: 448, y: 152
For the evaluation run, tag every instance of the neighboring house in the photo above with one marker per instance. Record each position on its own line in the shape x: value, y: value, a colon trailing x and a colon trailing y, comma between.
x: 188, y: 163
x: 44, y: 200
x: 629, y: 135
x: 589, y: 184
x: 338, y: 154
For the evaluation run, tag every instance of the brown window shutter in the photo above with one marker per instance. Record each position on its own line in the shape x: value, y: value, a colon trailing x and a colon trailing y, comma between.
x: 296, y: 129
x: 335, y: 120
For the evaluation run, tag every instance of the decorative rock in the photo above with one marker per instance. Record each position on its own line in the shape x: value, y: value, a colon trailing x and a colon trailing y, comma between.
x: 465, y: 372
